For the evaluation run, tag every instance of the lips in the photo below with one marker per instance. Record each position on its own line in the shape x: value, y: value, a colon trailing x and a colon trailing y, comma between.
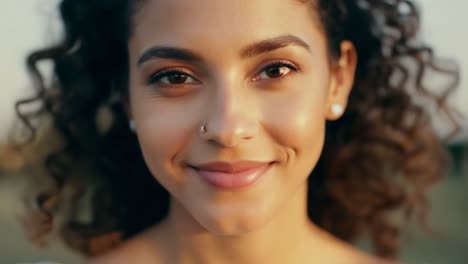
x: 231, y: 167
x: 232, y: 175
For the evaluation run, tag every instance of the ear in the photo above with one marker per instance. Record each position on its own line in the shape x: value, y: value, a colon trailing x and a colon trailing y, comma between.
x: 342, y: 79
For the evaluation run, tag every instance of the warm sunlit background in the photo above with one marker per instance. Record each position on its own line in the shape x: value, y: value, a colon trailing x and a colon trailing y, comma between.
x: 32, y: 24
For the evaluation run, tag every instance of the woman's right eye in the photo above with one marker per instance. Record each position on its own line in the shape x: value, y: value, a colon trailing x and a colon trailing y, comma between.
x: 171, y: 78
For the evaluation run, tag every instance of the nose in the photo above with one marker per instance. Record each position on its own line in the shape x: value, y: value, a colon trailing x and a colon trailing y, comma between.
x: 231, y: 117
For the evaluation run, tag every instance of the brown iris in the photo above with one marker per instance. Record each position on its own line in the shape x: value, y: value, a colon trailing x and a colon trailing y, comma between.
x: 276, y: 72
x: 177, y: 78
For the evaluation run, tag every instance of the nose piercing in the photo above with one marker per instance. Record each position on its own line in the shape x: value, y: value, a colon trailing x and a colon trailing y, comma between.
x: 203, y: 129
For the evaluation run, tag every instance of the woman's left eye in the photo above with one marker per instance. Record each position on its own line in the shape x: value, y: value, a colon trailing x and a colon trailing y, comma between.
x: 171, y: 78
x: 276, y: 70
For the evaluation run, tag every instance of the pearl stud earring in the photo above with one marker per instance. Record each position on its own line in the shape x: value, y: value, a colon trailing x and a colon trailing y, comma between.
x: 337, y: 109
x: 131, y: 124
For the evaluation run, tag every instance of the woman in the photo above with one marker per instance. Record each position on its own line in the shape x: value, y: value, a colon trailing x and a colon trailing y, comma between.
x: 265, y: 131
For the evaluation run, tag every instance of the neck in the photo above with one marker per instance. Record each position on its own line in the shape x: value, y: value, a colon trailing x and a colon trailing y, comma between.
x: 285, y: 238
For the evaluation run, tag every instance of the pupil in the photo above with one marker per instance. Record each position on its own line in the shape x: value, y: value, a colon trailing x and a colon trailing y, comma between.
x: 177, y: 78
x: 274, y: 72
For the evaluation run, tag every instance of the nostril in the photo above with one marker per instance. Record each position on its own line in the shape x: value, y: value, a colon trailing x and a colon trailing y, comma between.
x: 228, y: 129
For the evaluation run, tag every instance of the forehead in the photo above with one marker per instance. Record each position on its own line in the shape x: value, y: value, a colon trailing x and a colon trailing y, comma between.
x: 221, y: 28
x: 224, y: 15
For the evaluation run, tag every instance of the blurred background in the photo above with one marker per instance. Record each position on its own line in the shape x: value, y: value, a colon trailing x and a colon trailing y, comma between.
x: 28, y: 25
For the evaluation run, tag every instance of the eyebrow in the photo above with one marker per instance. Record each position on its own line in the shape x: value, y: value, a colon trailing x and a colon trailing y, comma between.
x: 252, y: 50
x: 271, y: 44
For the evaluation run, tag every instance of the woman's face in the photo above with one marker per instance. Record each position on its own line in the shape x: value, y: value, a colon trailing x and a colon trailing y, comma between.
x: 257, y: 73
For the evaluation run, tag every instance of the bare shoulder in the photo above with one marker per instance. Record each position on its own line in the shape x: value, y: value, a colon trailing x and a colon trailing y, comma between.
x: 345, y: 253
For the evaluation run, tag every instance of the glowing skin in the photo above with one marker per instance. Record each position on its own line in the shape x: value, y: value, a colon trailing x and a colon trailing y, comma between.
x: 253, y: 111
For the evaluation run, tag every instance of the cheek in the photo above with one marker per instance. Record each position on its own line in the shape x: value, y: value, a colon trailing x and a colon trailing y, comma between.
x: 298, y: 120
x: 163, y: 130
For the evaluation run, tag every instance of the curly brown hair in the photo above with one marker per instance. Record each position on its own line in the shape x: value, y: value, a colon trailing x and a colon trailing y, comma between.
x: 380, y: 157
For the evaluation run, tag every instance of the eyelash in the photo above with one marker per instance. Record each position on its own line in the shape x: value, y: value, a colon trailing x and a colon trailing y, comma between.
x: 155, y: 78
